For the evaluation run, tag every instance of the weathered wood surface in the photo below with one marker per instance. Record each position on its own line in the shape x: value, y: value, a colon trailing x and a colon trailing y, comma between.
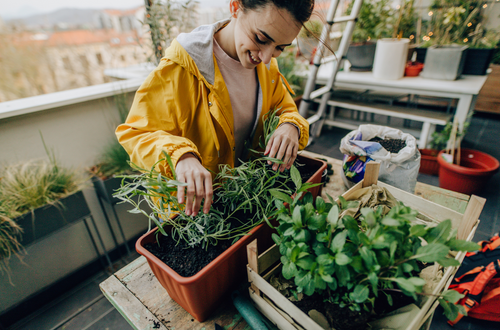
x: 143, y: 302
x: 138, y: 296
x: 452, y: 200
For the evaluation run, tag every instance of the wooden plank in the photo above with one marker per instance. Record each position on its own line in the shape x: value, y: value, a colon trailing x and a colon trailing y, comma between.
x: 447, y: 198
x: 280, y: 319
x: 136, y: 314
x: 253, y: 263
x: 125, y: 271
x: 433, y: 117
x: 488, y: 99
x: 371, y: 174
x: 280, y: 300
x: 471, y: 215
x: 267, y: 259
x: 144, y: 286
x: 427, y: 208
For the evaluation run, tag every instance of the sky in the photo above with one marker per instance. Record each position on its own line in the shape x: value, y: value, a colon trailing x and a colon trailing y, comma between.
x: 22, y: 8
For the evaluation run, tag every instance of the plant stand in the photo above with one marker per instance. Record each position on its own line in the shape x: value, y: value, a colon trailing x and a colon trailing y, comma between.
x: 104, y: 190
x: 49, y: 219
x: 287, y: 316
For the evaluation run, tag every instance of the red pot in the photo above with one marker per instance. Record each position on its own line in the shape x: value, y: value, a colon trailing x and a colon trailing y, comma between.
x: 201, y: 294
x: 475, y: 169
x: 413, y: 69
x: 428, y: 161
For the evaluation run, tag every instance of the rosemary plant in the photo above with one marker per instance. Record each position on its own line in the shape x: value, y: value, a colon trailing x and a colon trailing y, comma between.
x: 242, y: 201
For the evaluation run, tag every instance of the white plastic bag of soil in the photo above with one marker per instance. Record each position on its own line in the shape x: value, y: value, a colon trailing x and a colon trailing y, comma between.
x: 396, y: 169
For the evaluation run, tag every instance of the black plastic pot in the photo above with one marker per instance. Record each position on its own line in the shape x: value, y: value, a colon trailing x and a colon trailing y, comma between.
x: 48, y: 219
x: 477, y: 61
x: 361, y: 56
x: 421, y: 52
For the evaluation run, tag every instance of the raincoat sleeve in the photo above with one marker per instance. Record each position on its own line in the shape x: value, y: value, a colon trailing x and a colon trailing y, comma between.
x: 158, y: 118
x: 289, y: 112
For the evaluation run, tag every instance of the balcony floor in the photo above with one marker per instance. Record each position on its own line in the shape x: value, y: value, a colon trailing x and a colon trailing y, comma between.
x: 84, y: 307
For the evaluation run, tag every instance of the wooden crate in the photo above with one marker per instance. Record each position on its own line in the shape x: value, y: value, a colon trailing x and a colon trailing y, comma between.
x: 286, y: 315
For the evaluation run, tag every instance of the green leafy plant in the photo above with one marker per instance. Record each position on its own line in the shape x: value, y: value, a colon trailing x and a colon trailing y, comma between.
x: 452, y: 22
x: 240, y: 193
x: 439, y: 139
x: 25, y: 187
x: 9, y: 244
x: 351, y: 262
x: 289, y: 67
x: 373, y: 21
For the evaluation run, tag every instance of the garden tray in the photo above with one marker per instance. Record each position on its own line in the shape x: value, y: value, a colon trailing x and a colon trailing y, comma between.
x: 286, y: 315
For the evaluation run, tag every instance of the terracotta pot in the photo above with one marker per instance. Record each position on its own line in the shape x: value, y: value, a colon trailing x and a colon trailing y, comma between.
x: 473, y: 173
x: 413, y: 69
x: 201, y: 294
x: 428, y: 161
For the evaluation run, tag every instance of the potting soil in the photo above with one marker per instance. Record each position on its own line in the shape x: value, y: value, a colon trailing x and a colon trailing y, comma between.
x: 392, y: 145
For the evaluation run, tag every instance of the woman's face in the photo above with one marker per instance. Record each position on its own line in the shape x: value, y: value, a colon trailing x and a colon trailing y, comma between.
x: 263, y: 33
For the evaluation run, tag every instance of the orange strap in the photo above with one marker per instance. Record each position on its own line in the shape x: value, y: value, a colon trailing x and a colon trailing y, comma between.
x: 468, y: 305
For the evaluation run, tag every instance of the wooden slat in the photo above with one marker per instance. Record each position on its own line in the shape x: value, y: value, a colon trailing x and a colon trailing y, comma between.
x: 433, y: 117
x: 471, y: 215
x: 253, y: 263
x: 371, y: 174
x: 136, y: 314
x: 447, y: 198
x: 268, y: 258
x: 287, y: 306
x: 130, y: 268
x: 428, y: 208
x: 272, y: 313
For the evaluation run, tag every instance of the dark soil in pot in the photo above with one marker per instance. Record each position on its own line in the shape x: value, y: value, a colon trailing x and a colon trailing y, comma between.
x: 184, y: 260
x: 346, y: 319
x: 338, y: 318
x: 392, y: 145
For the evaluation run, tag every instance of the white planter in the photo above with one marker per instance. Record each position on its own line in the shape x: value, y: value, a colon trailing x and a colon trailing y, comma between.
x: 444, y: 63
x: 390, y: 58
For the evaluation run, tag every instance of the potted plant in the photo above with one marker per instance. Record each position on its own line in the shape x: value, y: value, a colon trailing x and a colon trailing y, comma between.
x: 445, y: 59
x: 308, y: 38
x: 481, y: 49
x: 37, y: 198
x: 392, y: 53
x: 289, y: 66
x: 206, y: 264
x: 371, y: 25
x: 352, y: 259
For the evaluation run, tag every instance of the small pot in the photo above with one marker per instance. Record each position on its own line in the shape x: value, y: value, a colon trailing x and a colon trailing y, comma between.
x: 361, y: 56
x: 473, y: 173
x: 413, y: 69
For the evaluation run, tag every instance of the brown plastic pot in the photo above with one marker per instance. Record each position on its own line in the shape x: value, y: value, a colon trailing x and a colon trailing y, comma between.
x: 428, y: 161
x: 201, y: 294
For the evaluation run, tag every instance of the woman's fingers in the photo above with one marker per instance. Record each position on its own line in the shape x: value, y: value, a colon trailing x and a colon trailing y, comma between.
x: 283, y: 145
x: 199, y: 184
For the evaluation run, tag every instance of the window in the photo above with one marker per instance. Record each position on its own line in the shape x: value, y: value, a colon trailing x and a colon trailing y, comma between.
x: 66, y: 63
x: 123, y: 58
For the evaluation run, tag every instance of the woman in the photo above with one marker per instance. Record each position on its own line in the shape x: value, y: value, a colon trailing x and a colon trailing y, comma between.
x: 207, y: 97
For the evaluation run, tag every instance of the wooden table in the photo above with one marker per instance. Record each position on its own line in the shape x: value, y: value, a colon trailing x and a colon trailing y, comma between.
x: 143, y: 302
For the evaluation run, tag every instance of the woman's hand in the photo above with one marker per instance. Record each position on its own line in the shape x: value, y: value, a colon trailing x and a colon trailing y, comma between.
x: 199, y: 180
x: 283, y: 145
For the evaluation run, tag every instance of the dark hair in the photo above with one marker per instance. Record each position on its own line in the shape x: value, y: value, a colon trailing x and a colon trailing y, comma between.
x: 301, y: 10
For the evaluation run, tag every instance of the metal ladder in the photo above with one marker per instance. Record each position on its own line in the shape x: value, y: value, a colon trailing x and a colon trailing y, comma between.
x: 326, y: 92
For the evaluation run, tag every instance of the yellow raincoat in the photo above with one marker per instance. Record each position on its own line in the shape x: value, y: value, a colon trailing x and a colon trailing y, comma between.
x: 183, y: 106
